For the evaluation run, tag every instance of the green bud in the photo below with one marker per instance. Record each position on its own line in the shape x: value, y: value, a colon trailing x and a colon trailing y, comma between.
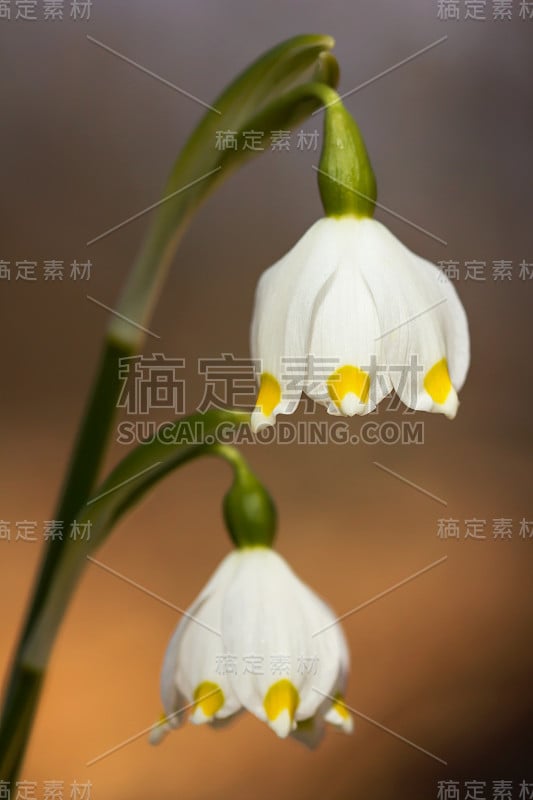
x: 345, y: 177
x: 249, y: 511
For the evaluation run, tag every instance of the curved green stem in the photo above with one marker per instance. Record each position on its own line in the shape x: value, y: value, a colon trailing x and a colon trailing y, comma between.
x: 259, y: 93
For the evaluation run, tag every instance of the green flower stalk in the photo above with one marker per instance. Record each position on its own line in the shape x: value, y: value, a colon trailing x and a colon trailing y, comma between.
x: 346, y: 179
x: 249, y: 512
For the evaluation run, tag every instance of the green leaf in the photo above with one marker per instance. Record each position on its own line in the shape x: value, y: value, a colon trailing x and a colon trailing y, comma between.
x: 260, y: 93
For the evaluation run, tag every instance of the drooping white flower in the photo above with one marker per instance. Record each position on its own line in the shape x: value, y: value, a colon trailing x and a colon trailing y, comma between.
x: 349, y: 314
x: 257, y: 638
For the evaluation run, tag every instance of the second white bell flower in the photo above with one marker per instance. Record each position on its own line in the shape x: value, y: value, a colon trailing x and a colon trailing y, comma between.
x: 349, y: 314
x: 257, y: 638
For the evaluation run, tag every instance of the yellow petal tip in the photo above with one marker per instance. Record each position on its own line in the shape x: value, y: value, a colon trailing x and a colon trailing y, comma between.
x: 437, y: 382
x: 339, y: 715
x: 268, y: 399
x: 208, y: 699
x: 348, y: 388
x: 280, y: 704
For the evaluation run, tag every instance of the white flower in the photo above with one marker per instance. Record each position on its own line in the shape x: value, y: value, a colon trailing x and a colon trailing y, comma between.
x: 349, y: 314
x: 257, y: 638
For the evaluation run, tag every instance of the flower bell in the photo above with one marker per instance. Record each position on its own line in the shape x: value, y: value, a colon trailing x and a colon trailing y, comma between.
x: 350, y: 313
x: 257, y: 638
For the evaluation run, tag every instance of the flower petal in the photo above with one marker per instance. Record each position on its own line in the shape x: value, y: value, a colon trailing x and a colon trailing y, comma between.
x: 339, y: 715
x: 422, y: 321
x: 275, y: 626
x: 192, y: 656
x: 284, y: 302
x: 452, y: 318
x: 344, y: 340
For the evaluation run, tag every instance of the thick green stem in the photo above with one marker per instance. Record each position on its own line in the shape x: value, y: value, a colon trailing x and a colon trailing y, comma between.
x: 19, y: 711
x: 85, y: 461
x: 24, y: 686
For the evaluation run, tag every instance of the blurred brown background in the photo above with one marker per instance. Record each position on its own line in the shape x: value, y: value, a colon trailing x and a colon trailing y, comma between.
x: 87, y: 140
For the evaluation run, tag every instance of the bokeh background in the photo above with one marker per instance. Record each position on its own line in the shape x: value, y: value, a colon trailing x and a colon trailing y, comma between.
x: 87, y: 141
